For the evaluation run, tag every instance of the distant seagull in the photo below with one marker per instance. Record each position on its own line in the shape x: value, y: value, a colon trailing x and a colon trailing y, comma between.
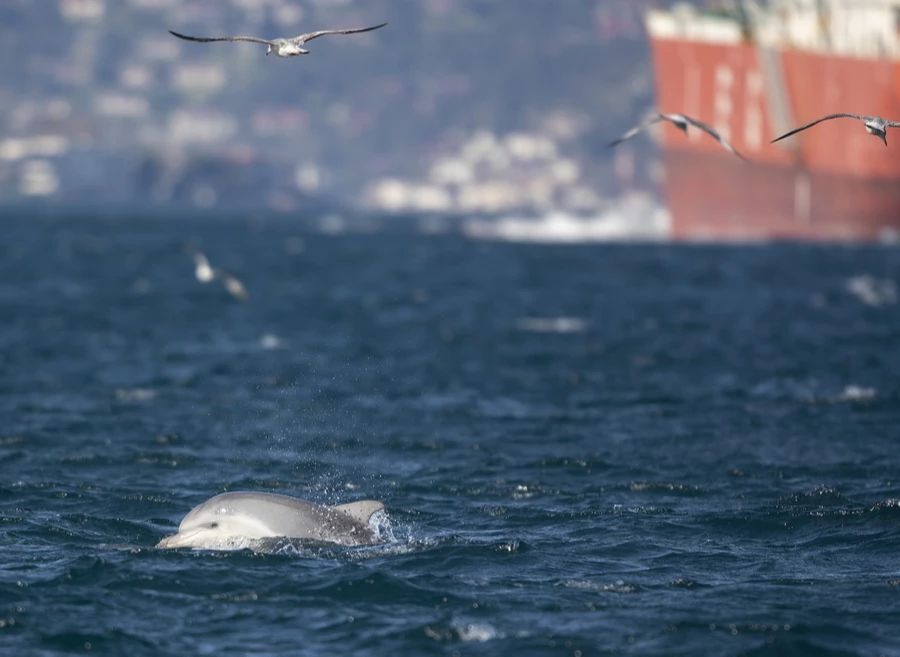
x: 281, y: 47
x: 205, y: 273
x: 875, y: 125
x: 681, y: 122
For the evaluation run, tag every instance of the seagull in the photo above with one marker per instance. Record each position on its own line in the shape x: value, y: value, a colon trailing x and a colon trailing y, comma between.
x: 282, y: 47
x: 681, y: 122
x: 205, y: 273
x: 875, y: 125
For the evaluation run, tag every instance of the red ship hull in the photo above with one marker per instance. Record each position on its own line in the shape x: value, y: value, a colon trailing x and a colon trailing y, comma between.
x: 832, y: 182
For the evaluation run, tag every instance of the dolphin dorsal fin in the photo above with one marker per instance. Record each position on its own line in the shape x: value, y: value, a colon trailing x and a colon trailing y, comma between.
x: 360, y: 511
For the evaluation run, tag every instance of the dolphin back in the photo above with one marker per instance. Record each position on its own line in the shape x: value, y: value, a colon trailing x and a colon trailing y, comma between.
x: 362, y: 511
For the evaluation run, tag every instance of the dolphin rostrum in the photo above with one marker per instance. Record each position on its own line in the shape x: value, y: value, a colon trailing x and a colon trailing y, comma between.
x: 229, y: 520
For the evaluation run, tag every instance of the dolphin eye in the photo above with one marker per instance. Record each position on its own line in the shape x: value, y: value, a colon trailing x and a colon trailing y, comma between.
x: 213, y: 525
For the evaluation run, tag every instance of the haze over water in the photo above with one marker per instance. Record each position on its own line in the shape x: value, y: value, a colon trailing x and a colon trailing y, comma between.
x: 594, y: 450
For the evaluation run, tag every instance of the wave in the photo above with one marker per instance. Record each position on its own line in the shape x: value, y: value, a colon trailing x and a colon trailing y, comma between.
x: 814, y: 392
x: 871, y: 291
x: 560, y: 325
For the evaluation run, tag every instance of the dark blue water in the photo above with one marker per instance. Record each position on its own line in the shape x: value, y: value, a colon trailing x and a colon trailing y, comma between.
x: 584, y: 450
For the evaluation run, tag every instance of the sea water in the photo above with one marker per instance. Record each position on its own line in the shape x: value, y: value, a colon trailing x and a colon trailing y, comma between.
x: 583, y: 450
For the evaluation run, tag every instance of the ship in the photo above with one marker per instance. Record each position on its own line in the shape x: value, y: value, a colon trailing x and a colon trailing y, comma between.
x: 756, y: 70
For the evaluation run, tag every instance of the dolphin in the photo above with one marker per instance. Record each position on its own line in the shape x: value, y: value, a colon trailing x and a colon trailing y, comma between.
x: 228, y: 521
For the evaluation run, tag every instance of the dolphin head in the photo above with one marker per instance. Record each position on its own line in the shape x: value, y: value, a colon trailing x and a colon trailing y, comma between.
x: 211, y: 524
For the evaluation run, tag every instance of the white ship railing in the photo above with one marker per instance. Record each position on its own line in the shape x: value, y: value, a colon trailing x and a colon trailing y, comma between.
x: 852, y: 28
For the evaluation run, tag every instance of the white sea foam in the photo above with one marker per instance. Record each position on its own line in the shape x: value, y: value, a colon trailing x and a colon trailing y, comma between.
x: 871, y: 291
x: 855, y: 393
x: 135, y: 395
x: 380, y: 524
x: 270, y: 341
x: 332, y: 224
x: 476, y: 632
x: 633, y: 217
x: 235, y: 543
x: 552, y: 324
x: 814, y: 392
x: 618, y: 586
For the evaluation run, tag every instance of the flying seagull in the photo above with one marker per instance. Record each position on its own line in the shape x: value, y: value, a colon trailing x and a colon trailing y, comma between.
x: 875, y: 125
x: 681, y: 122
x: 282, y: 47
x: 205, y: 273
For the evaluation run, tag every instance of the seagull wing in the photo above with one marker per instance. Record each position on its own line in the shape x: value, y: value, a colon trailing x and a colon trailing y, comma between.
x: 309, y: 36
x: 234, y: 286
x: 712, y: 132
x: 210, y: 39
x: 635, y: 130
x: 893, y: 124
x: 824, y: 118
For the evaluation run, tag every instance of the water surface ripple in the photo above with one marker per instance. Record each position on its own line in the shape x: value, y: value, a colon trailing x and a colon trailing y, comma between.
x: 584, y: 450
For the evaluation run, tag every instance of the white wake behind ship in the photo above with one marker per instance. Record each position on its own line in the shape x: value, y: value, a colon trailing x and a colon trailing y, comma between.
x: 633, y: 217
